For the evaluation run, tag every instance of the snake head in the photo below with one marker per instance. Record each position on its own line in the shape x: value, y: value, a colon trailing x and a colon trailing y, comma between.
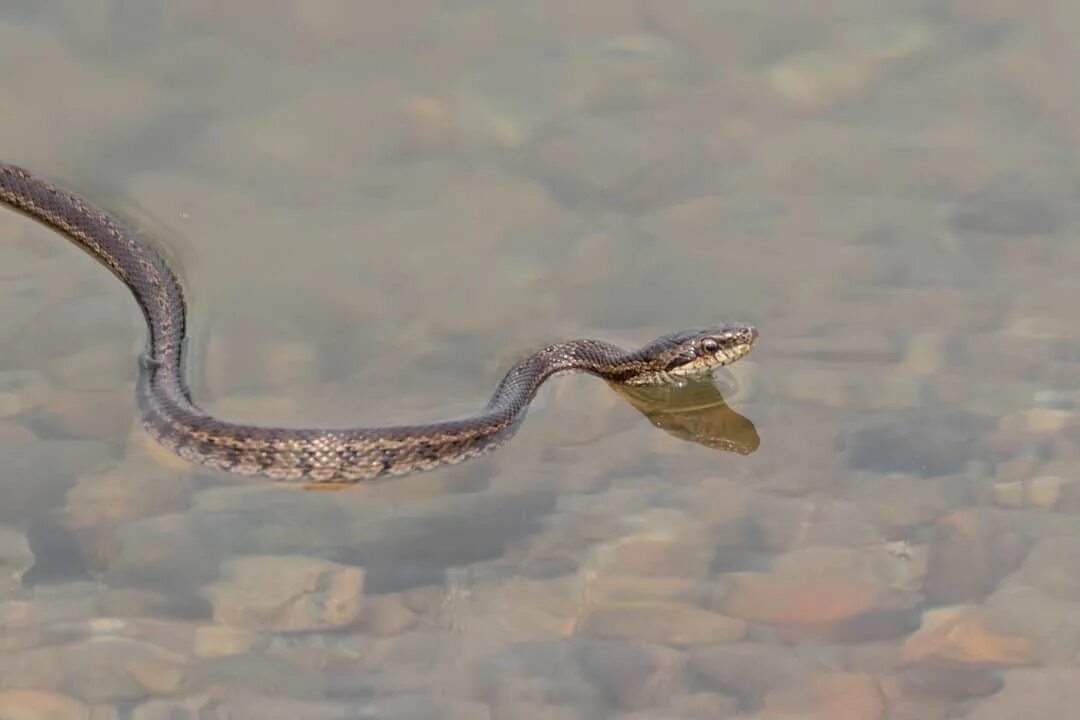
x: 694, y: 353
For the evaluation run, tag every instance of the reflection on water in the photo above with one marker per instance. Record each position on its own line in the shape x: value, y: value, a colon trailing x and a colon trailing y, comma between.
x: 694, y: 411
x: 377, y: 206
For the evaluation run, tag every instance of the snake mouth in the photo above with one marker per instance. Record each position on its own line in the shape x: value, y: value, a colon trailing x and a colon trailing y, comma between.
x: 702, y: 366
x: 740, y: 349
x: 700, y: 352
x: 717, y: 349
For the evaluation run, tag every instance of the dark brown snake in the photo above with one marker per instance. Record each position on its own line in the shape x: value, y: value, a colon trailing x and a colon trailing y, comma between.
x: 332, y: 455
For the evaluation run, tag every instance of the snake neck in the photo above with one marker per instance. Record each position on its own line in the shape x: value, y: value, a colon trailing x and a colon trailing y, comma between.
x: 519, y: 385
x: 154, y: 286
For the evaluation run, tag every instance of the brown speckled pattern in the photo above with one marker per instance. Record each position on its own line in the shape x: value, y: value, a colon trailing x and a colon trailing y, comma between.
x: 328, y: 456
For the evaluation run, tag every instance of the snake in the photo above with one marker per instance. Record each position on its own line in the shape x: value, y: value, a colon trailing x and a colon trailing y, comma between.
x: 331, y: 456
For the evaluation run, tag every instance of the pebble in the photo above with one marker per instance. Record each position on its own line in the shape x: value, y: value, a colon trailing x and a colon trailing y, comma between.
x: 288, y: 593
x: 248, y: 706
x: 258, y: 673
x: 167, y: 552
x: 222, y: 640
x: 88, y: 415
x: 581, y: 673
x: 970, y: 550
x: 527, y: 710
x: 1043, y: 492
x: 694, y: 706
x: 783, y: 523
x: 684, y: 555
x: 814, y: 78
x: 105, y: 669
x: 440, y: 530
x: 15, y: 559
x: 1033, y: 693
x: 533, y: 608
x: 38, y: 705
x: 836, y: 696
x: 97, y: 367
x: 538, y: 673
x: 105, y: 99
x: 596, y: 162
x: 60, y: 603
x: 298, y: 521
x: 135, y: 602
x: 661, y: 623
x: 773, y: 599
x: 829, y: 387
x: 637, y: 68
x: 642, y: 588
x: 1010, y: 494
x: 1051, y: 621
x: 917, y: 442
x: 927, y: 353
x: 1039, y: 420
x: 903, y: 503
x: 960, y: 634
x: 428, y: 120
x: 875, y: 626
x: 1011, y: 205
x: 37, y: 471
x: 159, y: 675
x: 191, y: 708
x: 749, y: 671
x: 1054, y: 399
x: 633, y: 676
x: 935, y: 680
x: 1051, y: 566
x: 21, y: 390
x: 387, y: 615
x: 101, y: 501
x: 393, y: 707
x: 234, y: 365
x: 889, y: 567
x: 845, y: 344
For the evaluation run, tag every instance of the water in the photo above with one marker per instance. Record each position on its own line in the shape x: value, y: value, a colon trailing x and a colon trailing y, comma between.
x: 376, y: 211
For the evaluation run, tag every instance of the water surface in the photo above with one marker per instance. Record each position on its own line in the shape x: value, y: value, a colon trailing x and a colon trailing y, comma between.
x: 376, y: 211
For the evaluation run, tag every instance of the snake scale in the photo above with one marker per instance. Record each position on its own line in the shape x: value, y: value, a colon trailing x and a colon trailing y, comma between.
x: 329, y: 456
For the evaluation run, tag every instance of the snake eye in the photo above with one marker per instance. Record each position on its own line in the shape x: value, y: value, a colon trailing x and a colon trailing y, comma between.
x: 710, y: 346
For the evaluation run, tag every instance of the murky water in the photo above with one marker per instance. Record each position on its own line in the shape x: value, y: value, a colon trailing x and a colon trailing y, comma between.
x: 377, y: 209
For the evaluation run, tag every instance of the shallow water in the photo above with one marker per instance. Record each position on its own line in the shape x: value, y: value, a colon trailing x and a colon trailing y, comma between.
x: 376, y: 211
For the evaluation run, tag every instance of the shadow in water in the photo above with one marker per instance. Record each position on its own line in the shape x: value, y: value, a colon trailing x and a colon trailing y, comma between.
x: 696, y: 412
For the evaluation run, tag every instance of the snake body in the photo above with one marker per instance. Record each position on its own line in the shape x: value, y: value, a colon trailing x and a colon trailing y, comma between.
x: 328, y: 455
